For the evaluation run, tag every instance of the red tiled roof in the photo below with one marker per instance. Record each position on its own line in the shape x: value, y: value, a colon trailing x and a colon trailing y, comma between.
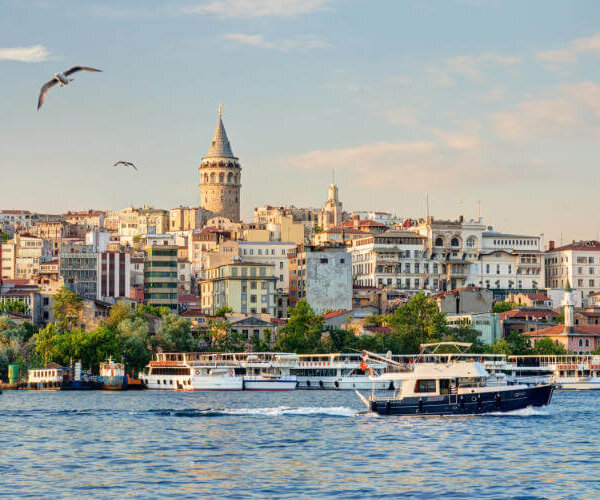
x: 537, y: 296
x: 456, y: 290
x: 364, y: 223
x: 591, y: 330
x: 334, y: 314
x: 278, y: 321
x: 589, y: 314
x: 525, y: 312
x: 579, y: 245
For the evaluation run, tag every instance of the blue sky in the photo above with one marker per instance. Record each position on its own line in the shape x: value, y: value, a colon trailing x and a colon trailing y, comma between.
x: 461, y: 99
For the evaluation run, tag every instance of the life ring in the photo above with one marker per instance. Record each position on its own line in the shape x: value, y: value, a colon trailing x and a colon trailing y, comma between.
x: 337, y: 384
x: 197, y: 372
x: 321, y: 384
x: 308, y: 383
x: 231, y: 373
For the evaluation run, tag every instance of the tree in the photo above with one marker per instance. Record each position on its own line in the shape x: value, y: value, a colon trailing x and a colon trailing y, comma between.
x: 222, y: 311
x: 470, y: 335
x: 223, y: 339
x: 546, y: 346
x: 159, y: 311
x: 67, y: 308
x: 46, y: 343
x: 417, y: 322
x: 118, y: 313
x: 176, y: 334
x: 302, y: 333
x: 500, y: 307
x: 259, y: 345
x: 514, y: 344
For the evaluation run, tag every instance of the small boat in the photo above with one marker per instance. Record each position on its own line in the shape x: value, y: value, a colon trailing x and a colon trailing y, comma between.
x: 269, y: 372
x: 451, y: 388
x: 112, y: 376
x: 214, y: 378
x: 570, y: 372
x: 58, y: 378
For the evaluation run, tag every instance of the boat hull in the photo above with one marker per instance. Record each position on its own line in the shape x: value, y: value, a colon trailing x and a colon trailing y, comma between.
x: 574, y: 384
x: 213, y: 383
x: 252, y: 384
x: 115, y: 383
x: 502, y: 400
x: 342, y: 384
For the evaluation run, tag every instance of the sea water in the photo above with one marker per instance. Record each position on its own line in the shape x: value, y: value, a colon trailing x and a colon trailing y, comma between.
x: 288, y: 445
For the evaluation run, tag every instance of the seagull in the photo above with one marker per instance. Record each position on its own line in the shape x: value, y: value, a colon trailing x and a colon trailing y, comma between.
x: 125, y: 164
x: 62, y: 79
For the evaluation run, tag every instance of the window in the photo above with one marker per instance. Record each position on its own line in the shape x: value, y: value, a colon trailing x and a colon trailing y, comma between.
x: 454, y: 242
x: 253, y: 299
x: 439, y: 242
x: 592, y: 285
x: 487, y: 269
x: 510, y: 269
x: 342, y: 261
x: 471, y: 242
x: 497, y: 268
x: 425, y: 386
x: 281, y: 265
x: 253, y: 285
x: 323, y: 261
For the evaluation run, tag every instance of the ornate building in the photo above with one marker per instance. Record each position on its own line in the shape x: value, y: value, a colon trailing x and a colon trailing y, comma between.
x: 220, y: 177
x: 331, y: 215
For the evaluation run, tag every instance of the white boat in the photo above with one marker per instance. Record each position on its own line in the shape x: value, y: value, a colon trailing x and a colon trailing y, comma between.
x: 215, y: 378
x: 168, y: 371
x: 337, y: 372
x: 569, y: 372
x: 269, y: 372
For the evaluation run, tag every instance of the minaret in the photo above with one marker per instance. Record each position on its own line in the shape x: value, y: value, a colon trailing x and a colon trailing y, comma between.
x: 568, y: 307
x: 220, y: 176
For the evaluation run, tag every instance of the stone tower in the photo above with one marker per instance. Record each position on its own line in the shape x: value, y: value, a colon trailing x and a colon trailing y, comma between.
x: 331, y: 215
x: 220, y: 177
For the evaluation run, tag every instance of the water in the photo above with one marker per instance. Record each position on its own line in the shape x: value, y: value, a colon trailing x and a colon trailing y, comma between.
x: 288, y: 445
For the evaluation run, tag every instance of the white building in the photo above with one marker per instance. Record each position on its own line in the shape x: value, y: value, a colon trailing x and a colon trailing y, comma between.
x: 271, y: 252
x: 114, y: 275
x: 578, y: 263
x: 394, y: 259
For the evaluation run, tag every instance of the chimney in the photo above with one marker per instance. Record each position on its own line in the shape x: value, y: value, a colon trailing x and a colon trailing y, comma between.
x: 551, y: 245
x: 356, y: 221
x: 461, y: 218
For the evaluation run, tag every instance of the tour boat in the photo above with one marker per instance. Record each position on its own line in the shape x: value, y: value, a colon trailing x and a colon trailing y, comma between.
x: 450, y: 388
x: 337, y: 372
x: 269, y: 372
x: 168, y: 371
x: 214, y: 378
x: 57, y: 378
x: 569, y: 372
x: 112, y: 376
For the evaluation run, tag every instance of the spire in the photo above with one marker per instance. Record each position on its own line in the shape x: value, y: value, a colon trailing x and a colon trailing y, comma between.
x: 220, y: 147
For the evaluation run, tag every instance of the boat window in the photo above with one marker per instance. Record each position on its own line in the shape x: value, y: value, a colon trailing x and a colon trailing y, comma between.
x: 425, y: 386
x: 444, y: 386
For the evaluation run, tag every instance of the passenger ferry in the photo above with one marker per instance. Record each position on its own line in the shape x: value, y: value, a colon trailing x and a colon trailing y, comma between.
x: 112, y: 376
x: 168, y: 371
x: 61, y: 378
x: 569, y: 372
x: 264, y: 371
x: 450, y: 388
x: 337, y: 372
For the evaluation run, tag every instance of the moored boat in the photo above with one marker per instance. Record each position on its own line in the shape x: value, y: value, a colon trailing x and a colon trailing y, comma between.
x: 452, y: 388
x: 112, y: 376
x: 570, y: 372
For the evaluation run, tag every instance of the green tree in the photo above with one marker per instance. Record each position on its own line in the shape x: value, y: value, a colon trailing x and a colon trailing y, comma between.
x: 515, y: 344
x: 176, y: 334
x: 223, y: 339
x: 302, y: 333
x: 159, y: 311
x: 259, y: 345
x: 118, y: 313
x: 46, y: 343
x: 470, y: 335
x: 546, y: 346
x: 66, y: 308
x: 500, y: 307
x: 417, y: 322
x: 222, y: 311
x: 135, y: 342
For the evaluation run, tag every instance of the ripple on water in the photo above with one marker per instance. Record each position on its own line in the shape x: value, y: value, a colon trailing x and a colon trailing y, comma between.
x: 288, y: 445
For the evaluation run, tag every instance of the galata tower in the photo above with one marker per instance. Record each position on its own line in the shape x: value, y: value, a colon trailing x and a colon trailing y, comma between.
x: 220, y: 177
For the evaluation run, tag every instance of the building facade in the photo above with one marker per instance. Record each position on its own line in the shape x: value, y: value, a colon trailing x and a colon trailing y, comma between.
x: 220, y: 177
x: 114, y: 275
x: 160, y: 276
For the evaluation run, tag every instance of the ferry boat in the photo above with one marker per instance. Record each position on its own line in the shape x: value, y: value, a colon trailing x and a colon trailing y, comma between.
x: 112, y: 376
x: 269, y: 372
x: 451, y: 388
x: 337, y: 372
x: 192, y: 372
x: 61, y: 378
x: 569, y: 372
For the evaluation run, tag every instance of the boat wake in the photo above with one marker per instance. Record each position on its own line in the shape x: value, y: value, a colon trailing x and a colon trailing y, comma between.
x: 280, y: 411
x: 530, y: 411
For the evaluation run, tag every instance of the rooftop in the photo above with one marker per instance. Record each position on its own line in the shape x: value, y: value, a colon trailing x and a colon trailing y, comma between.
x: 591, y: 245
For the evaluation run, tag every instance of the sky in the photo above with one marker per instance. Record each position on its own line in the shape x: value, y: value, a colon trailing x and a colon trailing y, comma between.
x: 460, y: 100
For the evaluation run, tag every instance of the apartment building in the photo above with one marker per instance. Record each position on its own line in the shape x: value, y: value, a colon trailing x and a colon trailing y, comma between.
x: 160, y: 276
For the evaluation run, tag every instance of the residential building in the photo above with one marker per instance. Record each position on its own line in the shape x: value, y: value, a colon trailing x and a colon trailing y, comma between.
x: 90, y: 219
x: 17, y: 219
x: 253, y: 326
x: 160, y: 276
x: 30, y: 252
x: 577, y: 263
x: 486, y: 324
x: 246, y: 287
x: 269, y: 252
x: 527, y: 319
x: 337, y: 235
x: 114, y: 276
x: 8, y: 255
x: 78, y: 266
x: 153, y: 221
x: 393, y: 259
x: 467, y: 300
x: 530, y: 299
x: 185, y: 219
x: 50, y: 269
x: 322, y: 276
x: 220, y: 177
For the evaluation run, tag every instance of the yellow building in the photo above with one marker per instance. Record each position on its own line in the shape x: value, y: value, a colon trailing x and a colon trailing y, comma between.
x: 246, y: 287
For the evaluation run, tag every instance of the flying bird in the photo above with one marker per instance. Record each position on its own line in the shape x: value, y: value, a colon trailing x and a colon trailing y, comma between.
x: 62, y: 79
x: 125, y: 164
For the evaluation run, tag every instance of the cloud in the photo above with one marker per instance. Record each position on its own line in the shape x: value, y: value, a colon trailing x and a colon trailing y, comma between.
x: 459, y: 142
x: 306, y: 43
x: 258, y: 8
x: 35, y: 53
x: 571, y: 52
x: 573, y: 111
x: 472, y: 66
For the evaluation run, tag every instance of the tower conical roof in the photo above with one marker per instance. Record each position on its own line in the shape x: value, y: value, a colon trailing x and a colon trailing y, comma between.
x: 219, y: 146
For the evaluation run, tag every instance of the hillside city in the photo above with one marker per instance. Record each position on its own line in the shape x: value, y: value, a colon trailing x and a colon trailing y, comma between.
x: 345, y: 271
